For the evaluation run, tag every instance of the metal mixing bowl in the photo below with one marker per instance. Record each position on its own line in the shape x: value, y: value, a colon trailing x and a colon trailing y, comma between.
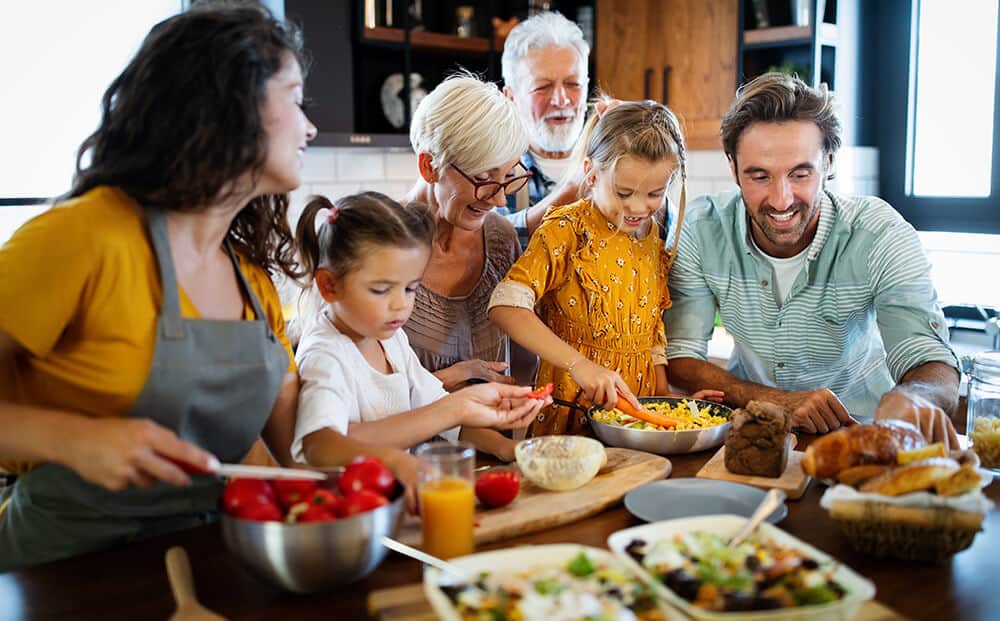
x: 665, y: 442
x: 311, y: 557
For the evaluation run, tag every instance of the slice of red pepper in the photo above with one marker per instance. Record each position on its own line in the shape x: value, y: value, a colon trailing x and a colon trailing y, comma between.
x: 542, y: 391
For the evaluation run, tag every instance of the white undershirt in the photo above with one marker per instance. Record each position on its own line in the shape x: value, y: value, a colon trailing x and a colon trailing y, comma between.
x: 554, y: 169
x: 784, y: 272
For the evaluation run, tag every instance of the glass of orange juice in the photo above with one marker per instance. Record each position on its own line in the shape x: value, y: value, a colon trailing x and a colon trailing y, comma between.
x: 447, y: 500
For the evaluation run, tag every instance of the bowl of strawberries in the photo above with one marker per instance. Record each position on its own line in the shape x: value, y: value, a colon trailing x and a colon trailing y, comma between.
x: 308, y: 536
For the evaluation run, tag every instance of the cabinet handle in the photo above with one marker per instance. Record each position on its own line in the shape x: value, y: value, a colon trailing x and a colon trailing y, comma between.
x: 666, y: 85
x: 647, y: 83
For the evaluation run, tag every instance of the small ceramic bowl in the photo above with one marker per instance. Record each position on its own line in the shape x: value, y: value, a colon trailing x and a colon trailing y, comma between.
x: 560, y: 463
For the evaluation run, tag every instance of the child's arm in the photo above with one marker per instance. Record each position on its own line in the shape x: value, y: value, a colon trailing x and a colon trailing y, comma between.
x: 327, y: 449
x: 600, y: 385
x: 489, y: 441
x: 483, y: 405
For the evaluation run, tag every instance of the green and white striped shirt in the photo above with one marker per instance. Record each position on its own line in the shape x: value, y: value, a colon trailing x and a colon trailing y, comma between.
x: 860, y: 315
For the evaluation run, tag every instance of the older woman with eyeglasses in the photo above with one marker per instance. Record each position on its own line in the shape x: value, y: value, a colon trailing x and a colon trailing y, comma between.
x: 468, y: 139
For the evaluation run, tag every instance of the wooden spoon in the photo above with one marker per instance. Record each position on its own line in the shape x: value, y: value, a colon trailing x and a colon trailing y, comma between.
x: 182, y: 584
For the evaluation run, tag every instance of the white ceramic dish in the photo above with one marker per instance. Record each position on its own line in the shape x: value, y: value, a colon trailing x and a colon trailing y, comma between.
x: 858, y: 588
x: 511, y: 560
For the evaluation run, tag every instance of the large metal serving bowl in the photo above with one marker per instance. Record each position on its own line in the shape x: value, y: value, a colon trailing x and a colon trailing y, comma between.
x: 312, y: 557
x: 665, y: 442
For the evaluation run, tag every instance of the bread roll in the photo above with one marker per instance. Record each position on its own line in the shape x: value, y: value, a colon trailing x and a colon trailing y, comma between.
x: 963, y: 481
x: 915, y: 477
x: 874, y: 443
x: 855, y: 475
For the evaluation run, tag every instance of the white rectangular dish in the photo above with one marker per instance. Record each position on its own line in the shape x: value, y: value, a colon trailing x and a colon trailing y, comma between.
x: 520, y: 559
x: 858, y: 589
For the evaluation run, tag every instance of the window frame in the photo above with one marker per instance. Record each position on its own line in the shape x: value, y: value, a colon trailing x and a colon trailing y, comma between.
x: 894, y: 25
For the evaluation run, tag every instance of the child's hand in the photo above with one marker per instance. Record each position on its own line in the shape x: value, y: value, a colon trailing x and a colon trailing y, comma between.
x: 600, y: 385
x: 498, y: 406
x: 457, y: 375
x: 709, y: 395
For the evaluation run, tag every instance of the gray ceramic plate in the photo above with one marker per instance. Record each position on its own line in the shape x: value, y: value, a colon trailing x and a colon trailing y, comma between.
x: 677, y: 498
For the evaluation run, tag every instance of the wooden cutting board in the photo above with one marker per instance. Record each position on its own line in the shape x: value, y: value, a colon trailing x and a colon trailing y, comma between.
x: 536, y: 509
x: 792, y: 481
x: 407, y: 603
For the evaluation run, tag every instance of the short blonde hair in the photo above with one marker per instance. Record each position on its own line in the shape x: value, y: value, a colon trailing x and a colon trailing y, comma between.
x: 469, y: 123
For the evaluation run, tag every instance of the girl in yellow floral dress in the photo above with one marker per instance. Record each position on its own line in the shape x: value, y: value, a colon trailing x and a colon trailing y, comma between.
x: 588, y: 293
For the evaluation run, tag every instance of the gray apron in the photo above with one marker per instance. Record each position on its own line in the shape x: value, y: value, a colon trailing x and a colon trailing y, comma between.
x: 213, y: 382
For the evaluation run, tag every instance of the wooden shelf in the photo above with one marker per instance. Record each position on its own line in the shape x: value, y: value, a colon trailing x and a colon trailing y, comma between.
x: 431, y: 41
x: 788, y: 35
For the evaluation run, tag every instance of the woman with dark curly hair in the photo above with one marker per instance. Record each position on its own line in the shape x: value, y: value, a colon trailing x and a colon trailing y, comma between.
x: 138, y: 322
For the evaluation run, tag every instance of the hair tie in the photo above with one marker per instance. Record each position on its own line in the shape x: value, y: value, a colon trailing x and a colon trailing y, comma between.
x: 334, y: 212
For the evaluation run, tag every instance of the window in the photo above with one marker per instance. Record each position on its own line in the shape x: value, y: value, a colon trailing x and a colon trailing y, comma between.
x: 950, y: 129
x: 57, y: 59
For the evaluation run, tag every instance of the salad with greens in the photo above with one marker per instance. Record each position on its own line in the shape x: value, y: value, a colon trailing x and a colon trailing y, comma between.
x: 584, y: 588
x: 755, y: 575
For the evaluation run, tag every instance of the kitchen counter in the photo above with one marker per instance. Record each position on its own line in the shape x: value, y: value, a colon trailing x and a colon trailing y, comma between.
x: 130, y: 582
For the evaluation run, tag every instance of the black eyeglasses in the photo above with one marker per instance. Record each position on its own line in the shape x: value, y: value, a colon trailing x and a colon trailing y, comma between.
x: 485, y: 190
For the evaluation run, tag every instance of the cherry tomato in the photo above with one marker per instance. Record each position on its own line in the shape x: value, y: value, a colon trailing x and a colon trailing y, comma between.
x: 366, y: 473
x: 261, y: 513
x: 317, y: 513
x: 292, y: 491
x: 241, y: 493
x: 360, y: 502
x: 303, y: 512
x: 541, y: 392
x: 326, y: 499
x: 497, y: 488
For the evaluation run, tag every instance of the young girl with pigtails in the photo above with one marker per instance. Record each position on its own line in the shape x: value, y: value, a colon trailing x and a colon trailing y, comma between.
x: 588, y: 293
x: 359, y: 377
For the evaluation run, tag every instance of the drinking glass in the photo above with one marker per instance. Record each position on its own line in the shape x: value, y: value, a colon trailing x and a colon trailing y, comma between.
x: 447, y: 502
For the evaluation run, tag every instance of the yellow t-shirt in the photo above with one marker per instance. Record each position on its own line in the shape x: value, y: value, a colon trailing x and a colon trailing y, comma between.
x: 80, y: 291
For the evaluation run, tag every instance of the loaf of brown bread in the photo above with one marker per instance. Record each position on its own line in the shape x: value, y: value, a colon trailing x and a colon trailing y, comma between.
x: 759, y: 442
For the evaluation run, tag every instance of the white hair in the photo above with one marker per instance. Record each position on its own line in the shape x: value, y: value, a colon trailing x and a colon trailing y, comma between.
x: 542, y: 30
x: 469, y: 123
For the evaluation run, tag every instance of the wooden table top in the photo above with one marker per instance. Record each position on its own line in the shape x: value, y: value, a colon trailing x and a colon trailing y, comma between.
x: 130, y: 582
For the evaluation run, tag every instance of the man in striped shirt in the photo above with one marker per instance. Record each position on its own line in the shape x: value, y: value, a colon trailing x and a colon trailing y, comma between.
x: 828, y: 297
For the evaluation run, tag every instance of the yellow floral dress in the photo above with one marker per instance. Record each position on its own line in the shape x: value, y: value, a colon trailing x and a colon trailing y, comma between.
x: 600, y: 290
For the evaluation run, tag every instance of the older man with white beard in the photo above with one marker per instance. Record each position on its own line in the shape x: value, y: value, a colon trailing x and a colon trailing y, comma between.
x: 544, y: 67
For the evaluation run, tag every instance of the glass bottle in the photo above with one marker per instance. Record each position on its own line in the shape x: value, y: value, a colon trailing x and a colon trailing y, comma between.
x: 983, y: 414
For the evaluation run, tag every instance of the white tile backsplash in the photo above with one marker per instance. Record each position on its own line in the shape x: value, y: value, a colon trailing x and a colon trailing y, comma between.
x: 707, y: 164
x: 400, y: 165
x: 361, y: 164
x: 337, y: 171
x: 320, y: 164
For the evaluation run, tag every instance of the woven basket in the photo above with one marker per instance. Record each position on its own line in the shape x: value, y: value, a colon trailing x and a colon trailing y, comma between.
x: 910, y: 533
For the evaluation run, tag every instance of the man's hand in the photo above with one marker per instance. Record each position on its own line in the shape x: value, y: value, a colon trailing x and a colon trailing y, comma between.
x: 930, y: 419
x: 816, y: 411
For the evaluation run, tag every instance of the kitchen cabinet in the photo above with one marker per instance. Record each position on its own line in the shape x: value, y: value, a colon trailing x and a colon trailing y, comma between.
x: 680, y: 52
x: 361, y: 50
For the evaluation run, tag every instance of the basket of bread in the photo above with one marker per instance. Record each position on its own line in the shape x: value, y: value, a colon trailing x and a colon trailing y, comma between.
x: 894, y: 495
